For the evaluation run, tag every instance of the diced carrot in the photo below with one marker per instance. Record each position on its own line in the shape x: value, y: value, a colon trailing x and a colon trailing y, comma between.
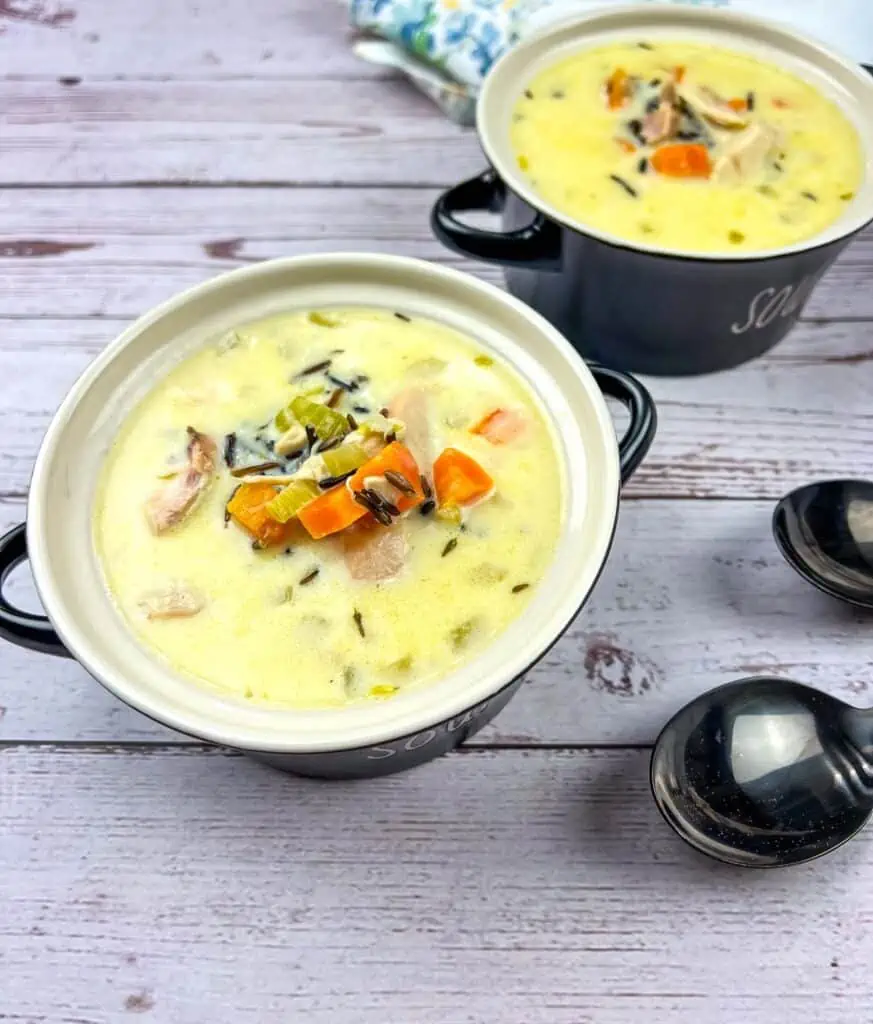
x: 617, y: 89
x: 337, y: 508
x: 459, y: 479
x: 683, y: 160
x: 679, y: 72
x: 625, y: 146
x: 331, y: 512
x: 248, y: 508
x: 738, y: 104
x: 396, y: 458
x: 500, y: 426
x: 779, y: 103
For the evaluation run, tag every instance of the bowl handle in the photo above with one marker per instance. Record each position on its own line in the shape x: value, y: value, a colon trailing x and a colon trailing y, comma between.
x: 537, y: 246
x: 18, y: 627
x: 638, y: 437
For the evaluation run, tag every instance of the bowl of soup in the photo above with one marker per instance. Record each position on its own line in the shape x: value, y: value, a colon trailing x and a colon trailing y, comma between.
x: 673, y: 181
x: 326, y: 510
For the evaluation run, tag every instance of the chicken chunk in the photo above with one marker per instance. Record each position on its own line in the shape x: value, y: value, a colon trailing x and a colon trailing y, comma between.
x: 171, y: 503
x: 178, y: 601
x: 743, y: 155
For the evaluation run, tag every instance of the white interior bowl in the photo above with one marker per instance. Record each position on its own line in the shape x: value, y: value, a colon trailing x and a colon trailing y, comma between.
x: 60, y: 509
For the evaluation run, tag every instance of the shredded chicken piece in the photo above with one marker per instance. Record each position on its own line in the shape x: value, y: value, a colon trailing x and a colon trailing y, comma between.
x: 171, y: 503
x: 178, y: 601
x: 714, y: 108
x: 660, y: 124
x: 411, y: 406
x: 744, y: 154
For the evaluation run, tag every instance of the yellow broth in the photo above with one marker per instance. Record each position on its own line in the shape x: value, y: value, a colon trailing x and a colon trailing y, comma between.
x: 262, y: 633
x: 571, y: 146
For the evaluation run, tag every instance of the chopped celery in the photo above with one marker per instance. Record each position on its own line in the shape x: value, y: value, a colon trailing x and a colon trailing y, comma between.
x: 450, y: 514
x: 327, y: 423
x: 461, y: 634
x: 291, y: 499
x: 285, y: 418
x: 382, y: 690
x: 344, y: 459
x: 322, y: 320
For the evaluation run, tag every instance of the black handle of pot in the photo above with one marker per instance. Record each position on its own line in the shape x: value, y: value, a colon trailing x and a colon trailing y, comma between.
x: 537, y: 246
x: 638, y: 437
x: 25, y: 629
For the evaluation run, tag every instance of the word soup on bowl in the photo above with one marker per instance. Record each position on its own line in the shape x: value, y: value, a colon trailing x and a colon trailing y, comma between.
x: 685, y: 146
x: 329, y: 507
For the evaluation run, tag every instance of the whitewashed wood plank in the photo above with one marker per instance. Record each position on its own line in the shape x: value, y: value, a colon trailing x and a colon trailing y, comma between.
x: 286, y: 131
x: 128, y: 38
x: 530, y: 886
x: 695, y: 594
x: 115, y: 252
x: 755, y: 432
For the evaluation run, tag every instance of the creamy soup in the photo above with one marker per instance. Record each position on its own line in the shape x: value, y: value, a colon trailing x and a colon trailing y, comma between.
x: 686, y: 146
x: 329, y: 507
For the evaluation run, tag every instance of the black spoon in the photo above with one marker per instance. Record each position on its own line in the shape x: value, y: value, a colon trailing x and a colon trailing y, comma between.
x: 825, y: 531
x: 765, y: 772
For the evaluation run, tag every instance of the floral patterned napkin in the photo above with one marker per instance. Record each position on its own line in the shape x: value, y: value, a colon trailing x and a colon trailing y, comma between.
x: 446, y: 47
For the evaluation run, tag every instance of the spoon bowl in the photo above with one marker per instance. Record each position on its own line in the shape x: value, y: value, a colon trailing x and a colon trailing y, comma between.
x: 765, y: 772
x: 825, y: 532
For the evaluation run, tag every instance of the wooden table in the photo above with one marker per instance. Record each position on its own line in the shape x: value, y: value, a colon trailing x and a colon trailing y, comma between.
x: 527, y: 878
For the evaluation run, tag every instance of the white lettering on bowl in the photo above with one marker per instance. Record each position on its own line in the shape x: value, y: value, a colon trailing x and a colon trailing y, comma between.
x: 770, y: 303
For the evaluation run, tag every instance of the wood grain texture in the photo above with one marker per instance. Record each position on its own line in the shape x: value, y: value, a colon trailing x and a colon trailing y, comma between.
x: 164, y: 38
x: 695, y: 594
x: 107, y: 252
x: 801, y: 413
x: 285, y: 131
x: 528, y: 886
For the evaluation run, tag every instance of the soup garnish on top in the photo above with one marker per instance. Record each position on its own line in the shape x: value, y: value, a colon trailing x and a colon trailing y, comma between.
x: 686, y: 146
x: 329, y: 507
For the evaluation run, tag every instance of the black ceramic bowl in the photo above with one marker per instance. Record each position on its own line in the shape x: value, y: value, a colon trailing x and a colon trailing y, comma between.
x: 637, y: 307
x: 361, y: 741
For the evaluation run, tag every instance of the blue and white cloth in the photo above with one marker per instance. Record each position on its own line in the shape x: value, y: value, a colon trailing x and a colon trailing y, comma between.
x: 446, y: 47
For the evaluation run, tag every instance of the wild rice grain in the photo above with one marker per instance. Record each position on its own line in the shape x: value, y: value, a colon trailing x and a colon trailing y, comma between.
x: 352, y: 422
x: 333, y: 481
x: 384, y: 411
x: 315, y: 368
x: 631, y: 191
x: 399, y: 481
x: 810, y: 195
x: 260, y: 467
x: 750, y: 101
x: 425, y: 486
x: 390, y: 438
x: 336, y: 395
x: 362, y: 410
x: 643, y: 165
x: 450, y: 546
x: 309, y: 577
x: 528, y: 94
x: 311, y: 436
x: 517, y: 589
x: 645, y: 46
x: 402, y: 316
x: 346, y: 385
x: 359, y: 622
x: 427, y: 507
x: 230, y: 450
